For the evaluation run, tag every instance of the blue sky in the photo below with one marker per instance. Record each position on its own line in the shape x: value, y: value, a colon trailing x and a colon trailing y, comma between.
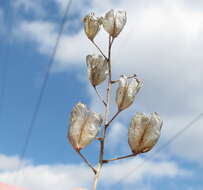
x: 163, y: 41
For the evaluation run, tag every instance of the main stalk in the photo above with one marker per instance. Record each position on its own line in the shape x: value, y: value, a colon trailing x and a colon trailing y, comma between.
x: 106, y: 118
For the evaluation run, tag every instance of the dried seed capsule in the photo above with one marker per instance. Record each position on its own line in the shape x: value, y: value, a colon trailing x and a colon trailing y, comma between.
x: 126, y: 92
x: 97, y: 67
x: 144, y: 132
x: 91, y: 25
x: 83, y: 127
x: 114, y: 21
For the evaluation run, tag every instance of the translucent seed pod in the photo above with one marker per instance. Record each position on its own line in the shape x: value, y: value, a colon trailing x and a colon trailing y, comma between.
x: 97, y: 67
x: 126, y: 92
x: 144, y: 132
x: 91, y: 25
x: 114, y: 22
x: 83, y: 126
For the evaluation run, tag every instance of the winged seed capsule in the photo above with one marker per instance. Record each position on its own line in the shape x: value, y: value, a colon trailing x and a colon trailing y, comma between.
x: 91, y: 25
x: 97, y: 67
x: 126, y: 92
x: 144, y: 132
x: 83, y: 126
x: 114, y: 21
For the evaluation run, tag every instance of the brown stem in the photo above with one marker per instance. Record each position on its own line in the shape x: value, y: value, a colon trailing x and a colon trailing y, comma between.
x: 132, y: 76
x: 107, y: 108
x: 116, y: 114
x: 87, y: 162
x: 119, y: 158
x: 95, y: 88
x: 99, y: 49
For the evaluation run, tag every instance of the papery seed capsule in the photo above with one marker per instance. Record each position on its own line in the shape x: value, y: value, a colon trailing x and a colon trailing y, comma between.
x: 97, y: 67
x: 83, y: 127
x: 114, y: 21
x: 144, y: 132
x: 91, y: 25
x: 126, y: 92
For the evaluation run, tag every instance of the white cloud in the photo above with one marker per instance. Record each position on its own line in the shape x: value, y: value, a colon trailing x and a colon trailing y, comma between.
x: 126, y: 169
x: 68, y: 176
x: 43, y: 33
x: 10, y: 163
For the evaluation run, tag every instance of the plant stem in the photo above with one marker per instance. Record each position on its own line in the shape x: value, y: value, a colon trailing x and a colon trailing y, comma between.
x: 116, y: 114
x: 87, y: 162
x: 95, y: 88
x: 107, y: 109
x: 119, y: 158
x: 132, y: 76
x: 99, y: 49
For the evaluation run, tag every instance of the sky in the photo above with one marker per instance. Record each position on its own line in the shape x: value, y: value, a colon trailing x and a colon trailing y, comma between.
x: 162, y: 43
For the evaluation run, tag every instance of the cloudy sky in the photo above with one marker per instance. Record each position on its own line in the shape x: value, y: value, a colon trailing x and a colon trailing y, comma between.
x: 162, y: 42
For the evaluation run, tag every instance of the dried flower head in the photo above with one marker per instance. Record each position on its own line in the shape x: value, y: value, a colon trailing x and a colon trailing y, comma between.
x: 114, y: 21
x: 83, y: 127
x: 91, y: 25
x: 97, y: 69
x: 126, y: 92
x: 144, y: 132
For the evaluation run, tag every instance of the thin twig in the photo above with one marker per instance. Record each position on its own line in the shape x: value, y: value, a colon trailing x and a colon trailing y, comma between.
x: 99, y: 49
x: 95, y: 88
x: 87, y: 162
x: 115, y: 115
x: 119, y: 158
x: 132, y: 76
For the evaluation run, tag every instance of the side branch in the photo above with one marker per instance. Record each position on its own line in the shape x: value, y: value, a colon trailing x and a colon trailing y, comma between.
x: 95, y: 88
x: 99, y: 49
x: 119, y: 158
x: 87, y: 162
x: 130, y: 77
x: 116, y: 114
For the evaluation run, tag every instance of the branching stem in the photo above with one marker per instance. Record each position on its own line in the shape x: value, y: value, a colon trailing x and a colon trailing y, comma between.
x: 119, y: 158
x: 130, y: 77
x: 99, y: 49
x: 115, y: 115
x: 87, y: 162
x: 101, y: 99
x: 106, y: 115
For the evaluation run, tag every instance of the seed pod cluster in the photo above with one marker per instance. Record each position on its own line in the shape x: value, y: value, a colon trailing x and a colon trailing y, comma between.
x: 144, y: 131
x: 113, y: 23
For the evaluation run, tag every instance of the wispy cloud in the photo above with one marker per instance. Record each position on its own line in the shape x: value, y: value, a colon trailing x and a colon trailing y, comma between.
x: 74, y: 175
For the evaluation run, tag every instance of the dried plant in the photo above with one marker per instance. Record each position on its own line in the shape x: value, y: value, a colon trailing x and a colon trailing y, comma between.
x: 84, y: 124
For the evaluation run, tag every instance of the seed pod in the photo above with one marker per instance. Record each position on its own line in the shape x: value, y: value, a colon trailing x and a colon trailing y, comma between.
x: 91, y: 25
x: 144, y: 132
x: 114, y: 21
x: 97, y: 67
x: 125, y: 94
x: 83, y: 127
